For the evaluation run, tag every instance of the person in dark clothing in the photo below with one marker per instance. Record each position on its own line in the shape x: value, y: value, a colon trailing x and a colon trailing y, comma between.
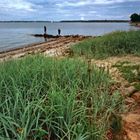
x: 59, y: 32
x: 45, y: 33
x: 45, y: 30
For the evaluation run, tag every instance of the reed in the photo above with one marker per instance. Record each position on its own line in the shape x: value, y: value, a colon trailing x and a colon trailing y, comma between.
x: 45, y: 98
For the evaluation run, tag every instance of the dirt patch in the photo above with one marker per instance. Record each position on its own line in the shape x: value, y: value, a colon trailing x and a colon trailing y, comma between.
x: 131, y: 119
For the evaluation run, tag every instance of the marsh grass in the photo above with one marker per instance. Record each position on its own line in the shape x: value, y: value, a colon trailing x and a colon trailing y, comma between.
x: 114, y: 44
x: 49, y: 99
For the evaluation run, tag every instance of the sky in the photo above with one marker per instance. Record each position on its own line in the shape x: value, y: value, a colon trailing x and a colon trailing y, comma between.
x: 56, y: 10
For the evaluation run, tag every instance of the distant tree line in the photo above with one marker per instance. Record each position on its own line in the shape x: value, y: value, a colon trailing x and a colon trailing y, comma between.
x: 135, y: 17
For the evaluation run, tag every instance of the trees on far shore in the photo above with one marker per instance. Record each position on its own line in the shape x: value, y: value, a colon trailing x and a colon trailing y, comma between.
x: 135, y: 17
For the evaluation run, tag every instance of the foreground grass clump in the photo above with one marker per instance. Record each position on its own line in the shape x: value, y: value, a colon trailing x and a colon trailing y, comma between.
x: 113, y: 44
x: 48, y: 99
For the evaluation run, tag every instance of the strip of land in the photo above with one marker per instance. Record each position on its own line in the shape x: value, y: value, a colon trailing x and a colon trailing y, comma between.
x: 53, y: 47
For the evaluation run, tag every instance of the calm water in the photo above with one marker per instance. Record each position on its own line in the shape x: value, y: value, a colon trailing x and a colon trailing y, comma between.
x: 14, y: 35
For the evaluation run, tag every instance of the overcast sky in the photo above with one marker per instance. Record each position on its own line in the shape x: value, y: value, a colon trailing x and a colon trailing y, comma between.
x: 67, y: 9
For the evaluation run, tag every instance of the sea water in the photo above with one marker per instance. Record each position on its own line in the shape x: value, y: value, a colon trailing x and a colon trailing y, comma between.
x: 18, y: 34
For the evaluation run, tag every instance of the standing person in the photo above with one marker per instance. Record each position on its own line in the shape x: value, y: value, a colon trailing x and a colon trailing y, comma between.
x: 59, y: 32
x: 45, y: 30
x: 45, y: 33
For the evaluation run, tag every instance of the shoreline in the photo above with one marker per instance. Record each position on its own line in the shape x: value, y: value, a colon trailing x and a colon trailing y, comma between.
x: 53, y: 47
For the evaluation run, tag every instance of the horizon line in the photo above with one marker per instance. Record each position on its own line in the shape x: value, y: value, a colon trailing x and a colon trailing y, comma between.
x: 100, y: 20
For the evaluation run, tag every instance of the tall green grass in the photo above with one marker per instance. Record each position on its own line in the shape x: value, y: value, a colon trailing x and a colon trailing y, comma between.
x: 113, y: 44
x: 48, y: 99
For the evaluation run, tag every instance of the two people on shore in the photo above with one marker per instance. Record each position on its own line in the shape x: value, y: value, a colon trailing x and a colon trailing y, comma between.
x: 45, y: 31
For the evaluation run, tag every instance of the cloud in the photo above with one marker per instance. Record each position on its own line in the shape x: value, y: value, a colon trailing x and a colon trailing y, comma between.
x: 74, y: 4
x: 17, y: 5
x: 90, y: 2
x: 67, y: 9
x: 111, y: 1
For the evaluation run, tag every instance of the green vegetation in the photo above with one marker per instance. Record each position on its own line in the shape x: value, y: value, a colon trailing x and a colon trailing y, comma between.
x: 113, y: 44
x: 135, y: 17
x: 44, y: 98
x: 131, y: 72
